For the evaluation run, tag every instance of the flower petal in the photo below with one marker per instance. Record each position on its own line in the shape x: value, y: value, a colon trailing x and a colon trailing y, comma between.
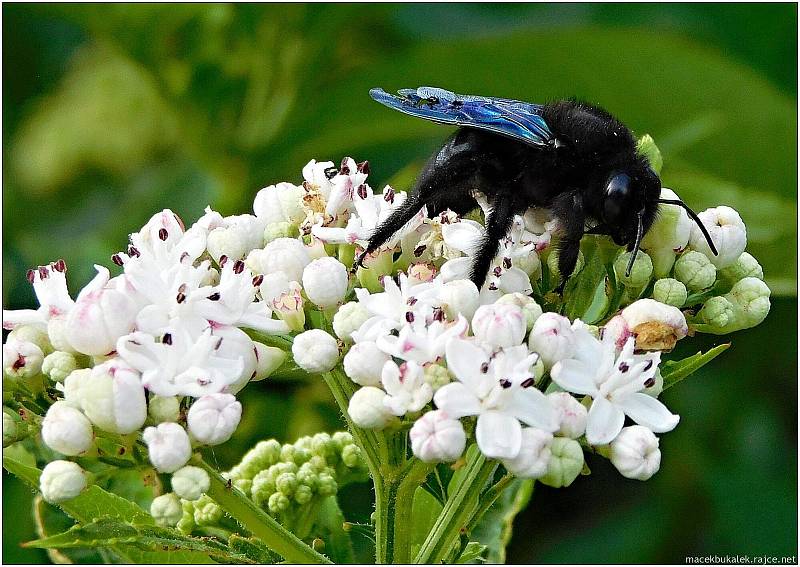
x: 605, y: 422
x: 514, y: 280
x: 456, y: 400
x: 649, y: 412
x: 532, y: 407
x: 574, y: 376
x: 499, y: 435
x: 464, y: 359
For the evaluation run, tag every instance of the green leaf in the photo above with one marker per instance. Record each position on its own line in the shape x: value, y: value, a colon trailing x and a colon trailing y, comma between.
x: 673, y: 371
x: 473, y: 553
x: 496, y: 527
x: 252, y: 548
x: 424, y: 512
x: 49, y: 520
x: 581, y: 295
x: 338, y: 545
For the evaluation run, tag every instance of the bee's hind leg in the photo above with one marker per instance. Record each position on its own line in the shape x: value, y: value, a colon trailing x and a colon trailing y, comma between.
x: 498, y: 224
x: 568, y: 208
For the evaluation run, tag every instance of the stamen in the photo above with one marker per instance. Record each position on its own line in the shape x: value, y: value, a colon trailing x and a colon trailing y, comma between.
x: 163, y: 234
x: 650, y: 382
x: 527, y: 383
x: 214, y: 296
x: 343, y: 169
x: 505, y: 383
x: 238, y: 267
x: 223, y: 260
x: 507, y: 263
x: 167, y: 339
x: 389, y: 196
x: 497, y: 271
x: 623, y: 367
x: 182, y: 288
x: 133, y: 251
x: 258, y: 280
x: 19, y: 363
x: 180, y: 298
x: 438, y: 314
x: 117, y: 259
x: 60, y: 266
x: 411, y: 300
x: 43, y: 273
x: 409, y: 317
x: 363, y: 167
x: 30, y: 275
x: 419, y: 250
x: 484, y: 368
x: 362, y: 191
x: 493, y: 286
x: 648, y: 366
x: 331, y: 172
x: 184, y: 256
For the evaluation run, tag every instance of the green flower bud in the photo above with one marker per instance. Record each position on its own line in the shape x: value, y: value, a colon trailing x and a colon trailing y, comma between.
x: 552, y: 264
x: 351, y: 456
x: 695, y: 270
x: 326, y: 485
x: 318, y: 463
x: 436, y: 376
x: 10, y: 429
x: 566, y: 463
x: 323, y: 445
x: 303, y: 494
x: 58, y: 365
x: 207, y: 512
x: 718, y: 312
x: 260, y: 457
x: 646, y: 146
x: 750, y: 296
x: 670, y: 291
x: 243, y: 484
x: 32, y: 334
x: 307, y: 475
x: 280, y: 230
x: 287, y: 453
x: 163, y: 409
x: 186, y: 523
x: 166, y: 509
x: 278, y: 502
x: 286, y: 483
x: 640, y: 273
x: 349, y: 318
x: 745, y: 267
x: 262, y: 488
x: 342, y: 439
x: 529, y: 307
x: 190, y: 483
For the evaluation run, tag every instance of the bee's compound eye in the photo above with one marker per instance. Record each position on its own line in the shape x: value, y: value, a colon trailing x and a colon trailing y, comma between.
x: 616, y: 193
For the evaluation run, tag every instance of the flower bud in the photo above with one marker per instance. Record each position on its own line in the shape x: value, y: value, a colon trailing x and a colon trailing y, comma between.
x: 163, y: 409
x: 58, y: 365
x: 552, y: 265
x: 112, y: 397
x: 325, y: 282
x: 13, y: 429
x: 348, y: 319
x: 286, y: 483
x: 718, y: 312
x: 61, y: 481
x: 282, y: 229
x: 459, y: 296
x: 315, y: 351
x: 190, y: 483
x: 728, y: 232
x: 207, y: 512
x: 268, y: 360
x: 534, y: 454
x: 656, y: 326
x: 436, y: 376
x: 566, y: 463
x: 66, y: 430
x: 278, y: 502
x: 571, y: 414
x: 745, y: 267
x: 168, y: 446
x: 303, y: 494
x: 695, y: 270
x: 363, y: 363
x: 366, y: 408
x: 670, y: 291
x: 635, y: 453
x: 750, y: 297
x: 646, y: 146
x: 59, y: 334
x: 240, y: 235
x: 73, y: 385
x: 213, y: 418
x: 22, y: 359
x: 287, y: 255
x: 499, y: 324
x: 668, y: 235
x: 31, y: 334
x: 552, y: 338
x: 640, y: 272
x: 279, y: 203
x: 166, y: 510
x: 351, y: 456
x: 529, y: 307
x: 436, y: 438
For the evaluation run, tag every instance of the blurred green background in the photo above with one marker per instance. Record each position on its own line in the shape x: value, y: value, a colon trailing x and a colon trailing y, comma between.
x: 112, y: 112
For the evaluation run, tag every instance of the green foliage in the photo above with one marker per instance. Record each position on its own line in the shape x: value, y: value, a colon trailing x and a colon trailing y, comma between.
x: 673, y: 371
x: 494, y: 531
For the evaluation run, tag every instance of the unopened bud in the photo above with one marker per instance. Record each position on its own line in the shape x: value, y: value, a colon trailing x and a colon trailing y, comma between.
x: 566, y: 463
x: 58, y: 365
x: 534, y: 455
x: 640, y: 272
x: 61, y: 481
x: 164, y: 408
x: 695, y: 270
x: 315, y: 351
x: 670, y: 292
x: 349, y: 318
x: 166, y: 509
x: 190, y: 483
x: 635, y: 453
x: 363, y: 363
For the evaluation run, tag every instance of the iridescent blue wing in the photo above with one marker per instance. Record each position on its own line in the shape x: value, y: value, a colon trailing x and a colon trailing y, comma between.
x: 513, y: 118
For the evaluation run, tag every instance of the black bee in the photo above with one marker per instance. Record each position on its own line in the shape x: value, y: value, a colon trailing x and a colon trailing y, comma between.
x: 572, y: 158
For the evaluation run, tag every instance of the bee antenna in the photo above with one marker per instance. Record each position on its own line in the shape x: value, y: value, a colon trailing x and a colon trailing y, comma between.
x: 639, y: 233
x: 695, y: 218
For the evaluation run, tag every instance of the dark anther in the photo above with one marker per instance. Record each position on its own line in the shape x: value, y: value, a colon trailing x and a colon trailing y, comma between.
x: 331, y: 172
x: 258, y: 280
x: 411, y: 300
x: 648, y: 366
x: 19, y: 363
x: 497, y: 271
x: 409, y: 317
x: 223, y: 260
x: 117, y: 259
x: 343, y: 169
x: 362, y: 191
x: 163, y: 234
x: 363, y: 167
x: 184, y: 256
x: 43, y: 273
x: 182, y: 288
x: 133, y: 251
x: 527, y: 383
x: 394, y: 333
x: 432, y: 100
x: 389, y: 196
x: 31, y: 275
x: 507, y: 263
x: 493, y: 286
x: 60, y: 266
x: 438, y: 314
x: 238, y: 267
x: 484, y: 367
x: 650, y: 382
x: 419, y: 250
x: 623, y: 367
x: 219, y: 344
x: 505, y: 383
x: 167, y: 339
x: 214, y: 296
x: 180, y: 298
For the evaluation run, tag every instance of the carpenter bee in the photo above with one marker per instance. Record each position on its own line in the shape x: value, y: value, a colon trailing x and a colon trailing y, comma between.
x: 572, y: 158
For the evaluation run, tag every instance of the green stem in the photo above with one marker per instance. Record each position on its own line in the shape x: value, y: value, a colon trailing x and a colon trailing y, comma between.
x: 458, y: 511
x: 261, y: 525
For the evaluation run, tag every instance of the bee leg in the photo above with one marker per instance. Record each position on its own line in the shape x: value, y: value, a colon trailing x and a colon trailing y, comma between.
x: 568, y: 208
x: 497, y: 226
x: 387, y: 228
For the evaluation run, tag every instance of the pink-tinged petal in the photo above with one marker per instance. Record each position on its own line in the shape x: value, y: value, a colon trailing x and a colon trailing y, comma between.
x: 532, y: 407
x: 649, y: 412
x: 499, y: 435
x: 574, y: 376
x: 19, y: 317
x: 465, y: 360
x: 456, y: 400
x: 97, y: 283
x: 605, y: 422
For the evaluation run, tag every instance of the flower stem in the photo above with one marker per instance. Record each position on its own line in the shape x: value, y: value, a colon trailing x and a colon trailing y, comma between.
x: 261, y: 525
x: 458, y: 511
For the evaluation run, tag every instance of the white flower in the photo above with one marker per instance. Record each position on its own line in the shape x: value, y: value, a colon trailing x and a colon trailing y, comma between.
x: 436, y: 438
x: 166, y: 509
x: 728, y: 232
x: 364, y: 362
x: 287, y: 255
x: 213, y: 418
x: 530, y: 308
x: 572, y: 414
x: 615, y: 384
x: 168, y: 446
x: 61, y: 481
x: 499, y: 391
x: 350, y: 180
x: 405, y: 387
x: 422, y: 342
x: 318, y: 176
x: 268, y: 360
x: 499, y: 325
x: 237, y: 236
x: 315, y: 351
x: 190, y: 483
x: 668, y: 235
x: 459, y: 297
x: 367, y: 410
x: 534, y: 454
x: 348, y: 318
x: 66, y: 430
x: 236, y: 345
x: 22, y: 359
x: 73, y: 385
x: 552, y: 337
x: 289, y: 307
x: 404, y: 303
x: 325, y: 282
x: 635, y: 453
x: 279, y: 203
x: 655, y: 325
x: 162, y: 243
x: 163, y: 409
x: 112, y: 397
